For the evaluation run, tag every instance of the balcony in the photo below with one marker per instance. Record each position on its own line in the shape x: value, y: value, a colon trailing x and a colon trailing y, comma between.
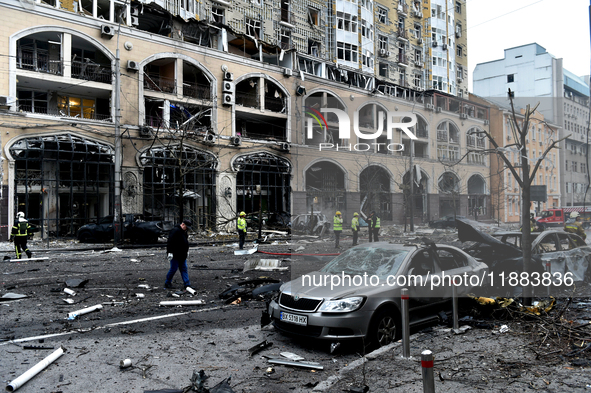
x: 87, y: 114
x: 402, y: 34
x: 90, y: 71
x: 158, y: 83
x: 402, y: 9
x: 402, y: 59
x: 194, y: 90
x: 39, y: 62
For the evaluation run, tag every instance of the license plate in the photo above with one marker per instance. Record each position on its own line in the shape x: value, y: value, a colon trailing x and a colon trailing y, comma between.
x: 292, y: 318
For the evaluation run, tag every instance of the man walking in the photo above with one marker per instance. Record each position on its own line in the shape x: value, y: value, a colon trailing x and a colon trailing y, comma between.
x: 19, y: 234
x: 337, y: 228
x: 355, y: 227
x: 241, y: 225
x: 178, y: 250
x: 374, y: 227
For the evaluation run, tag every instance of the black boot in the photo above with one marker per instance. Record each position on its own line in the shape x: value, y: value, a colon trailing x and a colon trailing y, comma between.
x: 29, y: 254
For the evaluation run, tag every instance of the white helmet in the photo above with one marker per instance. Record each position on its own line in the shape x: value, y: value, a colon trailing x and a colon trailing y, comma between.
x: 20, y: 215
x: 574, y: 215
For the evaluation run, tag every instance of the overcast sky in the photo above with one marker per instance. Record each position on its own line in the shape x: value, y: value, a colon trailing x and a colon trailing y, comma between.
x: 562, y: 27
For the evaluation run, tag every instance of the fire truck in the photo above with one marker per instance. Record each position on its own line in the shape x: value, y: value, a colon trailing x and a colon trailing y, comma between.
x: 557, y: 216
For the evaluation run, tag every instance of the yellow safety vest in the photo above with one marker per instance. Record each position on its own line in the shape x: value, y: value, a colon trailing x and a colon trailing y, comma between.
x: 242, y: 224
x: 337, y: 224
x: 355, y: 224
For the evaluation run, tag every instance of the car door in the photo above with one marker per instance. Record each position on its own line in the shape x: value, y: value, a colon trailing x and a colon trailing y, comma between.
x: 455, y: 263
x: 420, y: 272
x: 548, y: 248
x: 577, y: 255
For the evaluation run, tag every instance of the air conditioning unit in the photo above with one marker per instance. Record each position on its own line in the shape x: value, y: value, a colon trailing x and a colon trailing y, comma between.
x: 7, y: 101
x: 444, y: 46
x: 420, y: 41
x: 430, y: 107
x: 284, y: 146
x: 460, y: 79
x: 382, y: 52
x: 486, y: 122
x: 227, y: 99
x: 209, y: 139
x: 228, y: 76
x: 228, y: 87
x: 458, y: 34
x: 434, y: 43
x: 287, y: 72
x: 133, y: 66
x: 388, y: 53
x: 463, y: 116
x: 438, y: 109
x: 236, y: 140
x: 135, y: 11
x: 135, y: 21
x: 145, y: 132
x: 419, y: 64
x: 107, y: 31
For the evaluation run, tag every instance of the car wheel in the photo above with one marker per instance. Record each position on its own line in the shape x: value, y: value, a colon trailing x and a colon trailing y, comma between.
x: 384, y: 328
x: 85, y: 237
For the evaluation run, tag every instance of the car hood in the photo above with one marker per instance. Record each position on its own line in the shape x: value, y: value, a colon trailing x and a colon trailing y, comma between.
x: 327, y: 291
x: 467, y: 233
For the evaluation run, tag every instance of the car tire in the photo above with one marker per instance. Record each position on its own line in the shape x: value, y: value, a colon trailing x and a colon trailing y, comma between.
x: 384, y: 328
x: 85, y: 237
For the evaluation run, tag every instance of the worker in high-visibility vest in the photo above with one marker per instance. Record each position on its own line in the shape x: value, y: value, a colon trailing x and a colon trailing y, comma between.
x: 19, y: 235
x: 337, y: 228
x: 355, y: 227
x: 374, y: 227
x: 576, y: 226
x: 241, y: 226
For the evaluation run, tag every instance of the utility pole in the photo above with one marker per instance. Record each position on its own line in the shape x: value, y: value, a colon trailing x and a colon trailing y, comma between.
x: 412, y: 188
x: 118, y: 149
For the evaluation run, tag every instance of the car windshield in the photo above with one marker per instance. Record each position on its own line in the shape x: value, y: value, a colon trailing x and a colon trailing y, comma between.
x: 546, y: 214
x: 373, y: 261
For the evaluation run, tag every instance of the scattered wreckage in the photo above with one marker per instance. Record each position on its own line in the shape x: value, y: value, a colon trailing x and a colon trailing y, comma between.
x: 134, y: 228
x: 357, y: 294
x: 562, y: 252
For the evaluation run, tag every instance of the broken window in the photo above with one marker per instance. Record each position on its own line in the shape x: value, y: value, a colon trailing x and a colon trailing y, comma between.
x: 218, y: 15
x: 286, y: 11
x: 383, y: 69
x: 347, y: 52
x: 325, y: 186
x: 253, y: 28
x: 382, y: 14
x: 313, y: 47
x: 62, y: 181
x: 419, y: 191
x: 313, y: 16
x: 382, y: 42
x: 318, y: 132
x: 449, y: 183
x: 262, y: 182
x: 374, y: 183
x: 179, y: 181
x: 285, y: 39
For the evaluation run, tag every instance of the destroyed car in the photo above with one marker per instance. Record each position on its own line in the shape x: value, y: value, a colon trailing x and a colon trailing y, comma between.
x: 502, y: 252
x: 445, y: 222
x: 318, y: 226
x: 134, y: 229
x: 357, y: 294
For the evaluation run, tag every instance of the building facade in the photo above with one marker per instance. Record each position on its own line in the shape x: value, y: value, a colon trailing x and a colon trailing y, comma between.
x: 534, y: 75
x: 215, y: 117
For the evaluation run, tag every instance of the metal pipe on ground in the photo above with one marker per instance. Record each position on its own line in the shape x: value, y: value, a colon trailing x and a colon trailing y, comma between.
x: 75, y: 314
x: 182, y: 303
x: 36, y: 369
x: 404, y: 299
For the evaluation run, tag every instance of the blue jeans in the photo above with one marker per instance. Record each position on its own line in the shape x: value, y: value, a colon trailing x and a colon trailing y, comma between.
x: 174, y: 266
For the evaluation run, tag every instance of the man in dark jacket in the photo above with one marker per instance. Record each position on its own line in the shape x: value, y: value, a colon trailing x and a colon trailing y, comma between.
x: 177, y: 249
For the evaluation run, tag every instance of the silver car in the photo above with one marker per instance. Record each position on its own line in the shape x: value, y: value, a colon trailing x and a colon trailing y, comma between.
x: 357, y: 294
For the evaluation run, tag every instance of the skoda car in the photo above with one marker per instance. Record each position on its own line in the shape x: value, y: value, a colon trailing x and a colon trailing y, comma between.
x: 357, y: 294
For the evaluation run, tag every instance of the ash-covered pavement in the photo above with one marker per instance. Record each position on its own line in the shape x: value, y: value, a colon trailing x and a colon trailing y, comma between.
x: 166, y: 344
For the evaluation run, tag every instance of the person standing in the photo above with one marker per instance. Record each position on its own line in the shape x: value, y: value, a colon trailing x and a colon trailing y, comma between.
x: 178, y: 251
x: 337, y: 228
x: 374, y: 227
x: 19, y: 235
x: 576, y: 226
x: 241, y: 225
x: 355, y: 227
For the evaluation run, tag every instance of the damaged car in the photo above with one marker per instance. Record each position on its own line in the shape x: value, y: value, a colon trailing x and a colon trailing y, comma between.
x: 357, y: 294
x: 314, y: 224
x: 502, y: 252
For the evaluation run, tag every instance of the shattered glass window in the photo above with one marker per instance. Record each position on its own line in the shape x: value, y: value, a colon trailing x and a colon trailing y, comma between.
x: 373, y: 261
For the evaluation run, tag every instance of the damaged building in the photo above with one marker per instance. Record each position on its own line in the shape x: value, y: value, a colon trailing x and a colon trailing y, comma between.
x: 218, y: 111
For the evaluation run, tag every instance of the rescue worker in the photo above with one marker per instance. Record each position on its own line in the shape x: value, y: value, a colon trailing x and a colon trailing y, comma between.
x: 241, y: 226
x: 576, y: 226
x: 355, y: 227
x: 337, y: 227
x: 20, y: 233
x: 374, y: 227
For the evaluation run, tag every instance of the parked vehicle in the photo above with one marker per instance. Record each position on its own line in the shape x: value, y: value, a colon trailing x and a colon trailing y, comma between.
x: 319, y: 225
x: 445, y: 222
x: 134, y: 228
x: 502, y: 252
x: 310, y: 307
x: 557, y: 217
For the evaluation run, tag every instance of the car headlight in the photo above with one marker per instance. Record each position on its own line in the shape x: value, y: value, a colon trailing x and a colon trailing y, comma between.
x: 342, y: 305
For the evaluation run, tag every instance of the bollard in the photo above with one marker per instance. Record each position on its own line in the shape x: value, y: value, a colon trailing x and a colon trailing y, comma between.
x: 405, y: 323
x: 427, y: 366
x: 548, y: 270
x: 454, y: 297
